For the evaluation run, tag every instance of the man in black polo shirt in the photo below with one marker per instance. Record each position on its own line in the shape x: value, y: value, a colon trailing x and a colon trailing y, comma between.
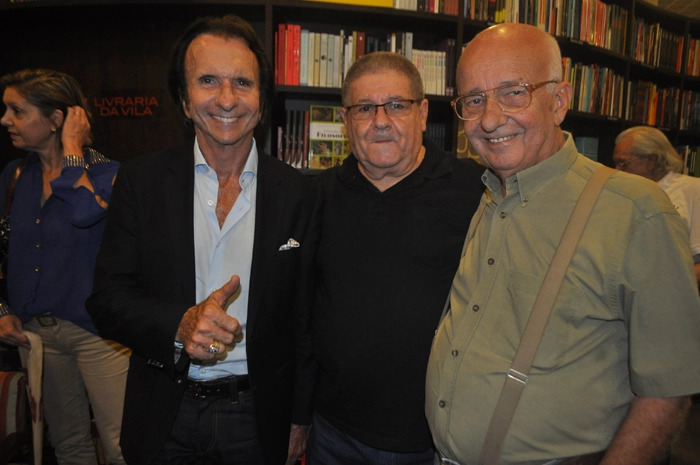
x: 393, y: 220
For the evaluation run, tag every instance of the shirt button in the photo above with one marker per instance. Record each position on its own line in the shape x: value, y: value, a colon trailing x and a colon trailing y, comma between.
x: 210, y: 202
x: 441, y: 404
x: 179, y: 381
x: 455, y: 353
x: 503, y: 214
x: 36, y: 270
x: 38, y: 221
x: 38, y: 245
x: 491, y: 261
x: 475, y: 308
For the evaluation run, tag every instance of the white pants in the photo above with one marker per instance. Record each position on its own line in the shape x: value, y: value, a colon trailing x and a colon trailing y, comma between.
x: 82, y: 370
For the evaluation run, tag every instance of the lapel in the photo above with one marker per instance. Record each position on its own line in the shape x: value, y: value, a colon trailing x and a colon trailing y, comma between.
x: 178, y: 224
x: 268, y: 222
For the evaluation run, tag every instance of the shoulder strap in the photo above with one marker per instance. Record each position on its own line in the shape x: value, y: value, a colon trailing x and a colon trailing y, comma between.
x: 11, y: 188
x: 518, y: 374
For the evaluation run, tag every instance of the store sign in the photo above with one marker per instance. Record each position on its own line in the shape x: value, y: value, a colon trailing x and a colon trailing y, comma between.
x: 142, y: 106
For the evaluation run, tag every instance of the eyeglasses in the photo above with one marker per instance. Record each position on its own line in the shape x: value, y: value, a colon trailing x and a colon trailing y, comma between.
x: 365, y: 111
x: 510, y: 99
x: 623, y: 164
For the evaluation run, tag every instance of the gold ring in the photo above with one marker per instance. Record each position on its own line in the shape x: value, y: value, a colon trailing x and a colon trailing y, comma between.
x: 214, y: 347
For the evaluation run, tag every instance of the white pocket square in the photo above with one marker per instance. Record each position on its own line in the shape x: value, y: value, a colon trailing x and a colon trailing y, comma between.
x: 291, y: 244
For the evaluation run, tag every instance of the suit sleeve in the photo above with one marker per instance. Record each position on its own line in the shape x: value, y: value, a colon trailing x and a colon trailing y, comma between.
x: 306, y: 365
x: 124, y: 305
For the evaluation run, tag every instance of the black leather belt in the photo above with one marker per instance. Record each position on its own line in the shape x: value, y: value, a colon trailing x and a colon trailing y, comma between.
x: 231, y: 387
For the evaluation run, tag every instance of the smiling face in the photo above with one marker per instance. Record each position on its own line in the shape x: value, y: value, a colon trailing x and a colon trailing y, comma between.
x: 512, y: 142
x: 29, y: 129
x: 223, y: 94
x: 388, y: 148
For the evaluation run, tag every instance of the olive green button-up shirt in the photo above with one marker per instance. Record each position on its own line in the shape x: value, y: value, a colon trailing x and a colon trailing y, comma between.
x: 626, y: 320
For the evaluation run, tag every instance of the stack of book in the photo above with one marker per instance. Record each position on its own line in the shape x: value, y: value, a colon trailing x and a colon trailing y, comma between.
x: 689, y: 154
x: 313, y: 138
x: 652, y: 105
x: 596, y: 89
x: 654, y: 46
x: 447, y: 7
x: 690, y: 111
x: 319, y: 59
x: 591, y: 21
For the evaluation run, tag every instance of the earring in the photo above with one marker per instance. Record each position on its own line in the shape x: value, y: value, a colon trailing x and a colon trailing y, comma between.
x: 53, y: 130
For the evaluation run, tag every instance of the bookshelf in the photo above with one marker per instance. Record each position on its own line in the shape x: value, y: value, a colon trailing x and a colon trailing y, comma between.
x: 120, y: 55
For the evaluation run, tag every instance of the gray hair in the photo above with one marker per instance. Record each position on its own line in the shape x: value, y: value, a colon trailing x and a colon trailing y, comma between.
x: 377, y: 62
x: 648, y: 141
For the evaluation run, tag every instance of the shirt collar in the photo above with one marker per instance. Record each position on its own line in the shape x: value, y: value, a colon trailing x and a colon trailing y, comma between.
x: 667, y: 180
x: 250, y: 169
x: 529, y: 182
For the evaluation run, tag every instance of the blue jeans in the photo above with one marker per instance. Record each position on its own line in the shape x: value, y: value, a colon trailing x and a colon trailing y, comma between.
x: 329, y: 446
x: 213, y: 431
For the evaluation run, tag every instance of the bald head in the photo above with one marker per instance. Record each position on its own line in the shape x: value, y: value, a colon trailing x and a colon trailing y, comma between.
x: 499, y: 58
x: 522, y: 42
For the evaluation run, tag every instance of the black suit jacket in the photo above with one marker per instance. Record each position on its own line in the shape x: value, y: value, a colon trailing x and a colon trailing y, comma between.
x: 145, y: 282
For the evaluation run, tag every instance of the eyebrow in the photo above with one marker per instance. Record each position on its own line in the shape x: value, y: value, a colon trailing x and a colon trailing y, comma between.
x: 503, y: 83
x: 391, y: 99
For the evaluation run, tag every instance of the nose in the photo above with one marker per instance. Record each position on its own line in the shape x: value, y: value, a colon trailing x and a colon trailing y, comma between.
x: 381, y: 118
x: 493, y: 116
x: 5, y: 120
x: 227, y: 97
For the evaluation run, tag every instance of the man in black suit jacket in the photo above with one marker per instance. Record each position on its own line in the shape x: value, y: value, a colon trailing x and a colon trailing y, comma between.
x: 204, y: 385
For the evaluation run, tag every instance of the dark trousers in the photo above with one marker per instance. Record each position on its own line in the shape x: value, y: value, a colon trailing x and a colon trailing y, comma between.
x: 329, y: 446
x: 213, y: 431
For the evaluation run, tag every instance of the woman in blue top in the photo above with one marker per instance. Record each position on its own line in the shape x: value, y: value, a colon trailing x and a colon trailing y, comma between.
x: 56, y: 221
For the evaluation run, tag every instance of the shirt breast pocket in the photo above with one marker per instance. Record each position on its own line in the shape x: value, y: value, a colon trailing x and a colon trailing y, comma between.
x: 558, y: 334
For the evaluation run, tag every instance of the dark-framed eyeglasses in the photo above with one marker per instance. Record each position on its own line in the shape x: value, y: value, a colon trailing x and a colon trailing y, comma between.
x: 365, y: 111
x: 510, y: 98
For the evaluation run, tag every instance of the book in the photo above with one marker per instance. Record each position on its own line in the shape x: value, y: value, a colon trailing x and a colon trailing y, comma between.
x: 317, y: 59
x: 323, y: 60
x: 328, y: 141
x: 294, y: 51
x: 304, y: 58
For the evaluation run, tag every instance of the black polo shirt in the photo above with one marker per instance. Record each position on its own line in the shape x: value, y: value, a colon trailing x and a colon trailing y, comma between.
x: 386, y: 261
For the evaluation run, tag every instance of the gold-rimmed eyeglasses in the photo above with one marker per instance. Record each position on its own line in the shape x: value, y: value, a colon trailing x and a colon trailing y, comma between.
x: 365, y: 111
x: 510, y: 99
x: 622, y: 164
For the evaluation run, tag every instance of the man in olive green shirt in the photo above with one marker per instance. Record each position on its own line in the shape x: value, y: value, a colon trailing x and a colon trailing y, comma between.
x: 618, y: 358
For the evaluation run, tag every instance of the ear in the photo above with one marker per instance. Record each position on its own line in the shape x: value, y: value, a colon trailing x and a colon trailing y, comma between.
x: 562, y: 96
x: 57, y: 117
x: 344, y: 116
x: 424, y: 114
x: 651, y: 162
x: 185, y: 108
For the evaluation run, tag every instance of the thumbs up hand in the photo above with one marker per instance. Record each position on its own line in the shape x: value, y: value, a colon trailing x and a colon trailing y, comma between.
x: 206, y: 329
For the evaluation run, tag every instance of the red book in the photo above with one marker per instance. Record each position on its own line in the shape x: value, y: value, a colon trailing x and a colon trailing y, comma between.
x: 289, y: 54
x: 296, y: 53
x: 281, y: 57
x: 360, y: 46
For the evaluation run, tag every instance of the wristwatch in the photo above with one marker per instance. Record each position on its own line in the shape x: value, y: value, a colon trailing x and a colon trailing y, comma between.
x: 73, y: 161
x: 5, y: 310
